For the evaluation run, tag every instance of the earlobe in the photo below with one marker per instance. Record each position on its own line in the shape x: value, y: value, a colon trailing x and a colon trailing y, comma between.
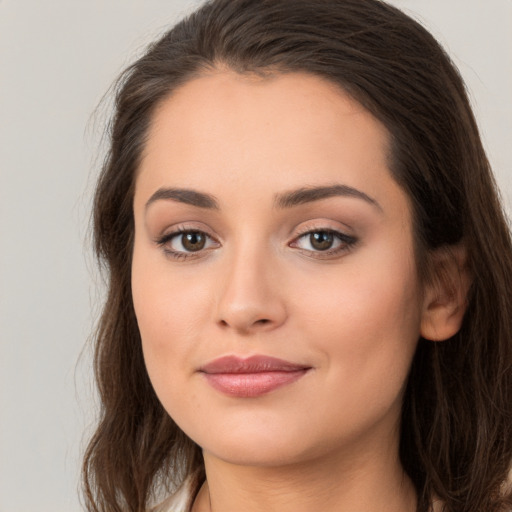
x: 445, y: 296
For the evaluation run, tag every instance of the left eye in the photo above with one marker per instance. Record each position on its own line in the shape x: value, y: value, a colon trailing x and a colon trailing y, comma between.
x: 324, y: 241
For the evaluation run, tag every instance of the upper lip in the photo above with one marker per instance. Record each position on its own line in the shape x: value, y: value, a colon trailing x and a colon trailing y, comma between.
x: 253, y: 364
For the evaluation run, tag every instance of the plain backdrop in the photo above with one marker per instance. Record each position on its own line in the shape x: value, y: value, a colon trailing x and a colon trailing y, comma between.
x: 57, y: 59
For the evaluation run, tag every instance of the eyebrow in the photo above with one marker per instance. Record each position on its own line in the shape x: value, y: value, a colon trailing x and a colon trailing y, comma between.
x: 186, y: 196
x: 284, y: 200
x: 310, y: 194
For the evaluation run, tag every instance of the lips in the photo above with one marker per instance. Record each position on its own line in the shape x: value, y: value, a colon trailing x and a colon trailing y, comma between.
x: 251, y: 377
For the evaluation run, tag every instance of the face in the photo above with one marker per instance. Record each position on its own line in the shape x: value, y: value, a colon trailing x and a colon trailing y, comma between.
x: 273, y: 273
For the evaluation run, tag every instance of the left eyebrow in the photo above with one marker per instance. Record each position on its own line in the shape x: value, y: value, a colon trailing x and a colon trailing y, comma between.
x: 310, y: 194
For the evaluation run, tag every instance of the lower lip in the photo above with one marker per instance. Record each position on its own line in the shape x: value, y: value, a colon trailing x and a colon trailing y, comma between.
x: 250, y: 385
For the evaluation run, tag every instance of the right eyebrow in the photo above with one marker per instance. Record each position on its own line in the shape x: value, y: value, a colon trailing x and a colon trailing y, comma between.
x: 186, y: 196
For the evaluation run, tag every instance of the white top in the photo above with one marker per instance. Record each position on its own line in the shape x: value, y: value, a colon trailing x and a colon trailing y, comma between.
x: 180, y: 501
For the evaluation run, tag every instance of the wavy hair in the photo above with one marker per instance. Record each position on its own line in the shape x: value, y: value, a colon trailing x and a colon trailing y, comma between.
x: 456, y: 441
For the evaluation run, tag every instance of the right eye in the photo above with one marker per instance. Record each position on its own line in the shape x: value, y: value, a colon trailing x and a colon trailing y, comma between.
x: 184, y: 243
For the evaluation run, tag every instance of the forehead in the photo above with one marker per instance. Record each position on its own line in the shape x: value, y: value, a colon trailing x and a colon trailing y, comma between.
x: 232, y: 132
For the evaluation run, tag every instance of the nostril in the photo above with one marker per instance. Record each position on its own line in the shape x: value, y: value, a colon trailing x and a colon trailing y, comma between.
x: 261, y: 322
x: 247, y: 325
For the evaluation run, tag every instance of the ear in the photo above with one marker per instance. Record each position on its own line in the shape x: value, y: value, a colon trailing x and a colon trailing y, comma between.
x: 445, y: 295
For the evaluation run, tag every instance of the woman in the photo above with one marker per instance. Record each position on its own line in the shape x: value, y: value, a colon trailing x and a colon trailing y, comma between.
x: 309, y: 303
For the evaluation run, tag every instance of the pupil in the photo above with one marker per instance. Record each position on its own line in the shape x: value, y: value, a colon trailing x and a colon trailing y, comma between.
x: 193, y: 241
x: 322, y: 240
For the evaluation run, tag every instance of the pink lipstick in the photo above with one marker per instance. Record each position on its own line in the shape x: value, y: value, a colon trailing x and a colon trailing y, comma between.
x: 251, y: 377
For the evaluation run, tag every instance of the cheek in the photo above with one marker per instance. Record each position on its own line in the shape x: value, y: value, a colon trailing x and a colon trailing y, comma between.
x: 169, y: 313
x: 366, y: 322
x: 165, y: 300
x: 363, y: 298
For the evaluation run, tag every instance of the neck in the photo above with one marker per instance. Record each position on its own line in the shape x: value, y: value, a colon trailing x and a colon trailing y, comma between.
x: 333, y: 483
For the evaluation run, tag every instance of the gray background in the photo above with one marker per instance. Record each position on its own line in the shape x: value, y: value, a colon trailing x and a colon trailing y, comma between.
x: 57, y: 58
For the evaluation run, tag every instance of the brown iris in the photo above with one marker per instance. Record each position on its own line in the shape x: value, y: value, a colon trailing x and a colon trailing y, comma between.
x: 321, y: 240
x: 193, y: 241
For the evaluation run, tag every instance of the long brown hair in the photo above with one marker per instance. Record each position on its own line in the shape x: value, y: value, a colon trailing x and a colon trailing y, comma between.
x: 456, y: 440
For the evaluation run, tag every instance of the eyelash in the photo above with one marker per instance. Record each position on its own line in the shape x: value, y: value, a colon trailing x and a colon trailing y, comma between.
x: 181, y: 255
x: 347, y: 243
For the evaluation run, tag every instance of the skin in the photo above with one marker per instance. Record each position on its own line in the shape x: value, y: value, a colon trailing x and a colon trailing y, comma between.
x: 328, y: 441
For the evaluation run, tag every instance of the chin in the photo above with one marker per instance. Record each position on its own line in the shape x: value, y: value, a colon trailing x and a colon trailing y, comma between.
x: 264, y: 445
x: 281, y: 452
x: 248, y: 441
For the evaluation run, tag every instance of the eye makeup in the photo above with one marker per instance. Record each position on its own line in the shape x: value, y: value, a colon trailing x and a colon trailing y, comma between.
x: 184, y: 243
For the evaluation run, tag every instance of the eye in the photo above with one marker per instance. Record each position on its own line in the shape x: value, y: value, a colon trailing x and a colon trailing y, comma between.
x: 184, y: 243
x: 321, y: 240
x: 191, y: 242
x: 326, y: 241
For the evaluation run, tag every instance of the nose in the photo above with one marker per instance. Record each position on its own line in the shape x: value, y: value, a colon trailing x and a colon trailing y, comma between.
x: 251, y: 297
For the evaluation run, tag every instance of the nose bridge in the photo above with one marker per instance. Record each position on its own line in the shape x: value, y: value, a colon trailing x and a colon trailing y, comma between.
x: 249, y: 298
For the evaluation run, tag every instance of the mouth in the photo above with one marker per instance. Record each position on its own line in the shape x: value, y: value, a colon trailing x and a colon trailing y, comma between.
x: 251, y: 377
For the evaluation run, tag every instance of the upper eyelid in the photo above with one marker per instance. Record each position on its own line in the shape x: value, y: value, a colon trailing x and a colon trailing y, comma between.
x: 308, y: 227
x: 318, y: 229
x: 185, y: 227
x: 320, y: 223
x: 314, y: 226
